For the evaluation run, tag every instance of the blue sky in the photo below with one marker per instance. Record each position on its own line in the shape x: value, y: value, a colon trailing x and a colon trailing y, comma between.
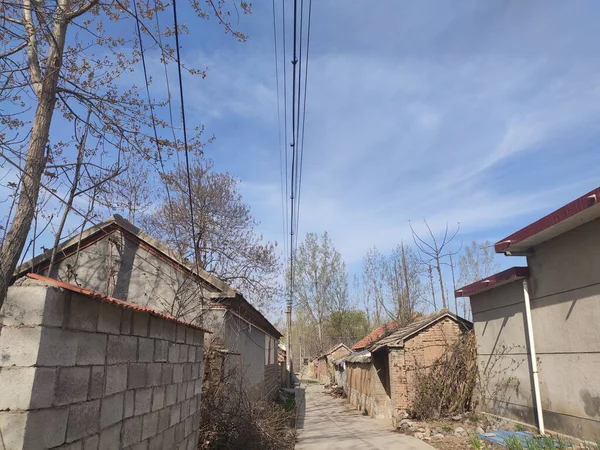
x: 479, y: 112
x: 483, y: 113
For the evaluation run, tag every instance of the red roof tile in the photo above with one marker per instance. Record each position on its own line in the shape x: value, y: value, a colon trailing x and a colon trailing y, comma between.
x: 504, y: 277
x: 114, y: 301
x: 375, y: 335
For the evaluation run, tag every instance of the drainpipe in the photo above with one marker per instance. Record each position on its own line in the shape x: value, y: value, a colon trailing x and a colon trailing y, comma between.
x: 533, y: 358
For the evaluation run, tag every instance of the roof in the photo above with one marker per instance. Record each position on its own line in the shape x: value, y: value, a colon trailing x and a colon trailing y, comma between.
x: 218, y: 291
x: 362, y: 357
x: 375, y: 335
x: 111, y: 225
x: 398, y: 337
x: 114, y: 301
x: 582, y: 210
x: 245, y: 310
x: 493, y: 281
x: 333, y: 349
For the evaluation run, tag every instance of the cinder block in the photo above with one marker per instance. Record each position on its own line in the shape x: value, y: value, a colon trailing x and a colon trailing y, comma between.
x: 183, y: 353
x: 189, y: 392
x: 167, y: 374
x: 153, y: 374
x: 198, y: 337
x: 156, y: 443
x: 54, y: 423
x: 171, y: 395
x: 112, y: 410
x: 164, y: 419
x: 116, y: 379
x: 137, y: 376
x: 146, y: 350
x: 185, y: 409
x: 72, y: 446
x: 198, y: 386
x: 169, y: 330
x: 187, y: 372
x: 91, y: 443
x: 149, y: 425
x: 132, y: 431
x: 181, y: 392
x: 139, y: 446
x: 175, y: 414
x: 177, y: 373
x: 126, y: 318
x: 129, y: 404
x: 110, y: 438
x: 158, y: 398
x: 72, y: 386
x: 191, y: 353
x: 33, y: 305
x: 161, y: 351
x: 12, y: 429
x: 82, y: 312
x: 174, y: 353
x: 91, y: 349
x: 192, y: 442
x: 84, y: 420
x: 121, y: 349
x: 195, y: 371
x: 109, y: 319
x: 169, y: 438
x: 180, y: 333
x: 143, y: 401
x: 156, y: 327
x: 180, y: 433
x: 140, y: 324
x: 199, y: 353
x: 20, y: 387
x: 189, y: 335
x: 188, y: 426
x: 96, y: 383
x: 19, y: 346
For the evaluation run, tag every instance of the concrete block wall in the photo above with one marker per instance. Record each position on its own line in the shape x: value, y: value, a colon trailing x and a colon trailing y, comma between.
x: 80, y: 374
x: 272, y: 382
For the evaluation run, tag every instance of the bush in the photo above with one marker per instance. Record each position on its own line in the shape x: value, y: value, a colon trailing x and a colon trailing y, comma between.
x: 446, y: 388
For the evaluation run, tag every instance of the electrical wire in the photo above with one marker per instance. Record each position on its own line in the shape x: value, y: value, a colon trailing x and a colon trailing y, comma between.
x: 185, y: 142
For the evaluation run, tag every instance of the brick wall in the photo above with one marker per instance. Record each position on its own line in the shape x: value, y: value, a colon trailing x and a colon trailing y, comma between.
x: 272, y: 382
x: 77, y: 373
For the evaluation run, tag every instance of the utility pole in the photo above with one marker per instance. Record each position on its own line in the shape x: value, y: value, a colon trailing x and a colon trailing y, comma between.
x: 288, y: 349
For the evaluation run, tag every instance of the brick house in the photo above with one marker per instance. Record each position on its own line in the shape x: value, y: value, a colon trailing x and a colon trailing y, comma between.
x: 536, y: 327
x: 323, y: 364
x: 380, y: 378
x: 119, y: 260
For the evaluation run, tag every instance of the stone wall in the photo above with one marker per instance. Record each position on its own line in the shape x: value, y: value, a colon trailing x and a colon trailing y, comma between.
x: 78, y: 372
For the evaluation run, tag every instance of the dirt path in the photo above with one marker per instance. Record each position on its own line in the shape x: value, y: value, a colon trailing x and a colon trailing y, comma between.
x: 327, y: 423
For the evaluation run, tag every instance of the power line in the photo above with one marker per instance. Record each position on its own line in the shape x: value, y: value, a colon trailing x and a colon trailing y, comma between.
x: 185, y: 142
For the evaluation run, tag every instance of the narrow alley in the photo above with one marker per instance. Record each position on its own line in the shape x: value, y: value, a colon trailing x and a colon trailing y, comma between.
x: 329, y: 423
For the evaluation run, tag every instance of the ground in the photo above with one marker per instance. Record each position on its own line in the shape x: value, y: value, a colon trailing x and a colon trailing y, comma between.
x: 327, y: 423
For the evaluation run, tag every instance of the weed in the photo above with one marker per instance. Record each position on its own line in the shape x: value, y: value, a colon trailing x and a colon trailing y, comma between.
x: 365, y: 412
x: 476, y: 442
x: 519, y: 428
x: 513, y: 443
x: 447, y: 428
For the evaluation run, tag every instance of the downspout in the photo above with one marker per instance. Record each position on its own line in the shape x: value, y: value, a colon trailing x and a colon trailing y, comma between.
x: 533, y: 358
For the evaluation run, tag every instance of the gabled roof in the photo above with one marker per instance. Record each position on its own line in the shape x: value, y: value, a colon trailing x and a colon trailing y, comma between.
x: 333, y: 349
x: 582, y: 210
x: 108, y: 227
x: 398, y: 337
x: 114, y: 301
x: 375, y: 335
x: 362, y: 357
x: 493, y: 281
x: 219, y: 292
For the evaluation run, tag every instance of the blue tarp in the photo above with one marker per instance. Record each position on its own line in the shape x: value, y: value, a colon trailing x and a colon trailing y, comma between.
x: 499, y: 436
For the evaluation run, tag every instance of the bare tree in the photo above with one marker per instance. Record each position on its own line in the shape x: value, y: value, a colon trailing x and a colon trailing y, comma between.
x: 228, y: 244
x: 59, y: 61
x: 476, y: 262
x: 434, y: 251
x: 320, y: 281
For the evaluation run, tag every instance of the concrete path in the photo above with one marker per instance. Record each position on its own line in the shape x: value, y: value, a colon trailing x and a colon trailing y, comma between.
x: 327, y: 423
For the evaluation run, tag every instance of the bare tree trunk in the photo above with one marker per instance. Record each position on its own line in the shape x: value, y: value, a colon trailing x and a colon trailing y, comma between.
x: 35, y: 160
x: 406, y: 283
x: 432, y: 288
x: 453, y: 285
x: 438, y: 268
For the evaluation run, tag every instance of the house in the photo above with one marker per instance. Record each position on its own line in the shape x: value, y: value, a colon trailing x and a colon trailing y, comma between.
x: 537, y: 326
x: 381, y: 378
x: 323, y: 364
x: 118, y: 260
x: 375, y: 335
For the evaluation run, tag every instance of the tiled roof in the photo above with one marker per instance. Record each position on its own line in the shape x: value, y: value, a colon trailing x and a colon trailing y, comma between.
x: 396, y: 339
x: 375, y: 335
x: 115, y: 301
x: 493, y: 281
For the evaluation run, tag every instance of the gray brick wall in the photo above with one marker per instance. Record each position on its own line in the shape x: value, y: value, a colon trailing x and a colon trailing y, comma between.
x: 78, y: 373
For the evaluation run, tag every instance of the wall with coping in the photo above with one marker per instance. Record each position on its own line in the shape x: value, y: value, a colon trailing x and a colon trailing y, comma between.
x: 79, y: 373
